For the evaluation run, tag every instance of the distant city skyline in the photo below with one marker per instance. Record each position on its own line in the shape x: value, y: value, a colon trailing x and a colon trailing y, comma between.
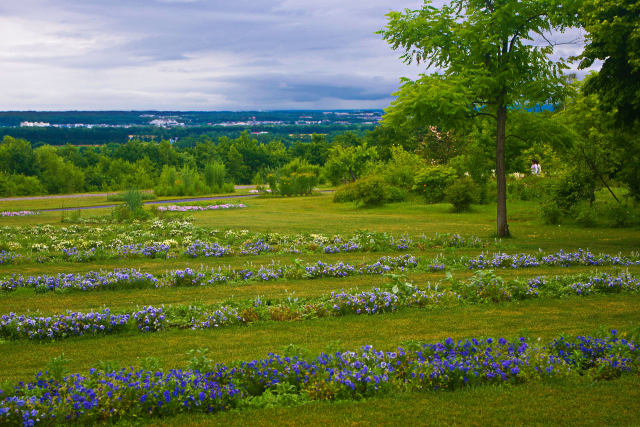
x: 200, y: 55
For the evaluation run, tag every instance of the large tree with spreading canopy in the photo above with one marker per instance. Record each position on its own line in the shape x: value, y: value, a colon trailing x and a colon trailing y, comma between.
x: 487, y: 56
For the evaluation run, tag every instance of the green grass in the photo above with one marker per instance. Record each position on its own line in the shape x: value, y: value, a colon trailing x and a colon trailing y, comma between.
x: 572, y: 402
x: 567, y: 403
x: 537, y: 318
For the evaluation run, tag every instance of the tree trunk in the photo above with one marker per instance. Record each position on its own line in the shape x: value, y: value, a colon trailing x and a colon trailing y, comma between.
x: 503, y: 228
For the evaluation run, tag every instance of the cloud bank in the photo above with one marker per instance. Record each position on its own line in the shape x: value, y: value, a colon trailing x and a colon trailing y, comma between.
x: 198, y: 54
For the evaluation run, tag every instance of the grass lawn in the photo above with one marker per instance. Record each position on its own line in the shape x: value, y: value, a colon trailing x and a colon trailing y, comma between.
x: 572, y: 401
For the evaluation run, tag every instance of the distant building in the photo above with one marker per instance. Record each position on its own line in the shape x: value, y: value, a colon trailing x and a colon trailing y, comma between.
x: 35, y: 124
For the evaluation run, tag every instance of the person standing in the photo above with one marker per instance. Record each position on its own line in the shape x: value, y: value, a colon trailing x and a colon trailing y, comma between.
x: 535, y: 167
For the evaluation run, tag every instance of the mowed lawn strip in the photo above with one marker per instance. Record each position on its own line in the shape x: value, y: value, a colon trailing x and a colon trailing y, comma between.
x: 318, y: 214
x: 27, y: 300
x: 543, y: 318
x: 575, y: 402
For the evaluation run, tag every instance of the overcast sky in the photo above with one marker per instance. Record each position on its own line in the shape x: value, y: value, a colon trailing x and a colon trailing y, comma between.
x: 198, y: 54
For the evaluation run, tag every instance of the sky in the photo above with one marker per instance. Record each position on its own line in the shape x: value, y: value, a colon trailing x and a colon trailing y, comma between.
x: 200, y: 54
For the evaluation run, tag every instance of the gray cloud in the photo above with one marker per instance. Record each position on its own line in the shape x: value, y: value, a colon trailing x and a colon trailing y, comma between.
x: 198, y: 54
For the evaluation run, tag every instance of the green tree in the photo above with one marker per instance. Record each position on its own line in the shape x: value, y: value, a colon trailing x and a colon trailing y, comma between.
x: 613, y: 36
x: 489, y: 65
x: 346, y: 164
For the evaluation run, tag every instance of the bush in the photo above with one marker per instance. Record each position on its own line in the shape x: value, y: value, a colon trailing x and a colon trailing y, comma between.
x: 345, y: 193
x: 531, y: 187
x: 395, y: 194
x: 370, y: 191
x: 572, y: 187
x: 550, y: 213
x: 432, y: 182
x: 295, y: 178
x: 461, y: 194
x: 585, y: 215
x: 619, y: 214
x: 215, y: 175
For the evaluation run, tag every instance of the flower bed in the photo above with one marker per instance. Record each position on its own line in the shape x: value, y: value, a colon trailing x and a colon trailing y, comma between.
x: 182, y: 208
x: 19, y: 213
x: 482, y: 288
x: 446, y: 365
x: 561, y: 258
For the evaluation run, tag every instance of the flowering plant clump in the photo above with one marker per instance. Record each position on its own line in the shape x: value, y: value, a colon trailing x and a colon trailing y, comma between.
x: 224, y: 316
x: 343, y: 247
x: 75, y: 255
x: 442, y: 365
x: 561, y: 258
x: 61, y: 326
x: 255, y: 248
x: 321, y: 269
x: 199, y: 248
x: 139, y: 250
x: 373, y: 302
x: 606, y: 283
x: 150, y: 319
x: 7, y: 257
x: 131, y: 278
x: 19, y: 213
x: 180, y: 208
x: 186, y: 277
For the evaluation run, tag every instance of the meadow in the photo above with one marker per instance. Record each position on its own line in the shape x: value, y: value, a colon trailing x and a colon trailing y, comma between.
x: 183, y: 298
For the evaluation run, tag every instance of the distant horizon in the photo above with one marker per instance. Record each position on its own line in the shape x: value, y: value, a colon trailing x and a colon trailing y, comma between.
x: 191, y: 111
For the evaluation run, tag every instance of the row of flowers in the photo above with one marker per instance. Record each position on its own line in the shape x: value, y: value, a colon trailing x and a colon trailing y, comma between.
x: 132, y: 393
x: 560, y: 258
x: 133, y: 279
x: 19, y: 213
x: 185, y: 208
x: 479, y: 289
x: 47, y: 243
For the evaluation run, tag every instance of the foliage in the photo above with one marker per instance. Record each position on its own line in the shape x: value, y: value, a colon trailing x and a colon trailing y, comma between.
x: 295, y: 178
x: 432, y: 181
x: 488, y: 66
x: 550, y: 213
x: 346, y: 164
x: 613, y: 37
x: 461, y: 193
x: 573, y: 186
x: 370, y: 191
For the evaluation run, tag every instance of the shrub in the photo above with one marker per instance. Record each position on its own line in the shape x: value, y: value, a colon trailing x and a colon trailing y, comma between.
x: 584, y: 215
x: 433, y: 180
x: 531, y: 187
x: 550, y: 213
x: 396, y: 194
x: 215, y: 174
x: 345, y: 193
x: 295, y: 178
x: 370, y: 191
x: 461, y: 194
x: 619, y: 214
x: 573, y: 186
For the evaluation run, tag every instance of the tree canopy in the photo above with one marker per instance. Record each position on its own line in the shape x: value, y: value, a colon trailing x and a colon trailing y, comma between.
x: 613, y: 36
x: 484, y: 59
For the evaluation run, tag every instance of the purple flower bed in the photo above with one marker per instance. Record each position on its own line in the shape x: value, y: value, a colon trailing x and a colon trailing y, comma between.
x: 561, y: 258
x: 62, y: 325
x: 199, y: 248
x: 446, y: 365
